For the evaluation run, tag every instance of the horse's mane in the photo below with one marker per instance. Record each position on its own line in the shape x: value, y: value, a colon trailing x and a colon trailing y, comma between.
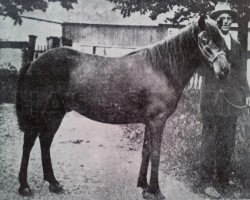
x: 175, y: 53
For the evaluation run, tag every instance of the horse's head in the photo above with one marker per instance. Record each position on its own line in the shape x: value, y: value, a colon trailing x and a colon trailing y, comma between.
x: 211, y: 43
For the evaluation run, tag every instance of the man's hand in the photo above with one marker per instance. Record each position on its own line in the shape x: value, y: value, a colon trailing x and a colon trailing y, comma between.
x: 248, y: 101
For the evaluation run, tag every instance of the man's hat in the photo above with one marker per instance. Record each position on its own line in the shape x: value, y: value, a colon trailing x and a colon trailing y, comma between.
x: 223, y: 7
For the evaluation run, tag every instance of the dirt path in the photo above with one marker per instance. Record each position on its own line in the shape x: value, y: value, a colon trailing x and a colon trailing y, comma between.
x: 93, y: 161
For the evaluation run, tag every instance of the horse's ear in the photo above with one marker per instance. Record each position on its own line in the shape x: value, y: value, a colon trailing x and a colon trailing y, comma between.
x: 202, y: 23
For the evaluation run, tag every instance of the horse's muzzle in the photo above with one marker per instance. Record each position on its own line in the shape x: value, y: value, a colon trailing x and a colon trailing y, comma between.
x: 224, y: 72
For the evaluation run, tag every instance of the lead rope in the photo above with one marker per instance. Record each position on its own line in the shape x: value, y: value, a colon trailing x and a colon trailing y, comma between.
x: 236, y: 106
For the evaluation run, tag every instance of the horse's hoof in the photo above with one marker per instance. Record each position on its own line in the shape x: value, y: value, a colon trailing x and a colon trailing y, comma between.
x: 26, y: 192
x: 56, y: 188
x: 142, y: 184
x: 149, y: 196
x: 160, y: 196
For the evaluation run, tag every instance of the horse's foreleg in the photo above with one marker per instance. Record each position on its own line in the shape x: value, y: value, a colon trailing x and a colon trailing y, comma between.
x: 29, y: 140
x: 142, y: 179
x: 46, y: 139
x: 155, y: 125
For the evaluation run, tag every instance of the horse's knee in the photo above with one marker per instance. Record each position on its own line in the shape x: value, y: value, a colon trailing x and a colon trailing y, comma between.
x: 144, y: 153
x: 45, y: 153
x: 155, y: 156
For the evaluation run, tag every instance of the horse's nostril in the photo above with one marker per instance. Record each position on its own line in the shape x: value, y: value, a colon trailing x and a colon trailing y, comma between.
x: 224, y: 70
x: 221, y: 76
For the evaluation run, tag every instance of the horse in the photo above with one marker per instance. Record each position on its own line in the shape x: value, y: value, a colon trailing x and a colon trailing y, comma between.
x: 141, y: 87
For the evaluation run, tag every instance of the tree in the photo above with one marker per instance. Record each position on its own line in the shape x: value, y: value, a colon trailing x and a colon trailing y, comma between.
x: 15, y: 8
x: 184, y: 10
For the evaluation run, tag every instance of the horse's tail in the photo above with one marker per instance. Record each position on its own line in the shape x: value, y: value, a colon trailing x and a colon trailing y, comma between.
x: 22, y: 84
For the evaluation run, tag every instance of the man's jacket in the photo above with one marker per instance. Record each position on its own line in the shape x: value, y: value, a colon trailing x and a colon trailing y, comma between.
x: 234, y: 88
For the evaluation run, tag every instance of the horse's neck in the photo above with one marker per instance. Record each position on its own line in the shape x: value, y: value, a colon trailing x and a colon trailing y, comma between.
x: 182, y: 56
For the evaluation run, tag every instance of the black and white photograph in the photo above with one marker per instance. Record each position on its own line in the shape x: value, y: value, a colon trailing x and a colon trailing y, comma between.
x: 124, y: 99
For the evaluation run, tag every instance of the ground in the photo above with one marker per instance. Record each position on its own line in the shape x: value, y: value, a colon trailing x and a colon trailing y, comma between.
x: 92, y: 160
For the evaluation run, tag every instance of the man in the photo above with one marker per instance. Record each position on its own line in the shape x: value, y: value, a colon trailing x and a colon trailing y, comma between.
x: 221, y: 104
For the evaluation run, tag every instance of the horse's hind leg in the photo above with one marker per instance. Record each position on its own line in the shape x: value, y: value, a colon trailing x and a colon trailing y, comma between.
x: 142, y: 179
x: 46, y: 138
x: 45, y: 141
x: 29, y: 140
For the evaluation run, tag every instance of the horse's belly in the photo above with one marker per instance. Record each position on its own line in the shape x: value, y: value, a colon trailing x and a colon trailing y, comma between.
x: 109, y: 111
x: 112, y: 115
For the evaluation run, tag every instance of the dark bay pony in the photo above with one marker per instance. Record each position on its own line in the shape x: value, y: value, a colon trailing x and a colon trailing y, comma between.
x: 141, y: 87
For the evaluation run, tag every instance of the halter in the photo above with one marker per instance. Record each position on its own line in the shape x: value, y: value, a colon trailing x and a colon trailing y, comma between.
x: 210, y: 59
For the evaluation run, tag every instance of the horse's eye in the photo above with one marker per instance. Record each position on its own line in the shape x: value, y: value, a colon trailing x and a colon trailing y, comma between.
x: 205, y: 41
x: 204, y: 38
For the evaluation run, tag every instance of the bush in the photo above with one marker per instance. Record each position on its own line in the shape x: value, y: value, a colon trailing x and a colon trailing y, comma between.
x: 182, y: 138
x: 8, y: 83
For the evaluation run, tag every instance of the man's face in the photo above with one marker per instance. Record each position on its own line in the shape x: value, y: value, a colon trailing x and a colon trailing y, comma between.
x: 227, y: 22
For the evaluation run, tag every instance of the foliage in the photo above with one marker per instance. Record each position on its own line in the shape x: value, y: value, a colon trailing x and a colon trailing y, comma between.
x: 15, y: 8
x: 8, y: 81
x: 183, y: 10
